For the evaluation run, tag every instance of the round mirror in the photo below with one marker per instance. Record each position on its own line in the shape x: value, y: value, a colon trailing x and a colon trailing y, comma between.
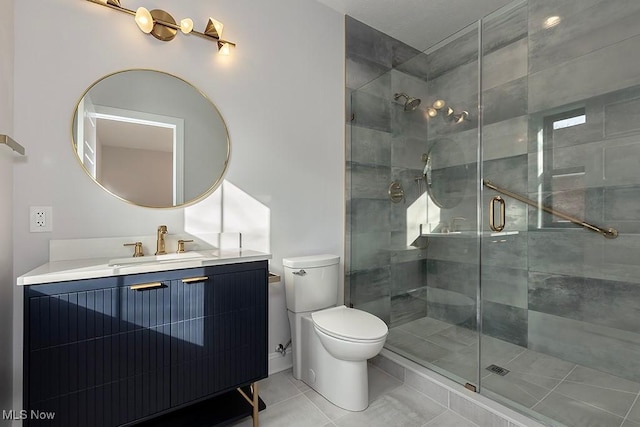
x: 446, y: 173
x: 150, y: 138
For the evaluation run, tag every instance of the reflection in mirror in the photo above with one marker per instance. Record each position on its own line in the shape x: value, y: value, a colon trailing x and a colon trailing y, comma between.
x: 150, y: 138
x: 446, y: 173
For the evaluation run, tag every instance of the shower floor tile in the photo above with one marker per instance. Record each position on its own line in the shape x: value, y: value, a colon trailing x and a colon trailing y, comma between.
x: 517, y: 387
x: 572, y: 412
x: 634, y: 414
x: 424, y: 350
x: 571, y: 394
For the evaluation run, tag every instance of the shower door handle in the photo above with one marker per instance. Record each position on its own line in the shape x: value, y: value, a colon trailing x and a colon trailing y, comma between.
x: 492, y: 214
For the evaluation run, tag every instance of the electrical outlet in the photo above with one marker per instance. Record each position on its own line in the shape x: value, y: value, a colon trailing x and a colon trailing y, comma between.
x: 40, y: 219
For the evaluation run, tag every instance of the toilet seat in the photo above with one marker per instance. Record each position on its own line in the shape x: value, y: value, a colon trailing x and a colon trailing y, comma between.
x: 350, y: 324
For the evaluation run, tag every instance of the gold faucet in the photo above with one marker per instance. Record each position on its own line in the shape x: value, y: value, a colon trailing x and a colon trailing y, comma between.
x: 181, y: 245
x: 138, y: 252
x: 160, y: 249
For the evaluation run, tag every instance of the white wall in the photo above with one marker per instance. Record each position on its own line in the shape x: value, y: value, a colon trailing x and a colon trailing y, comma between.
x: 281, y: 94
x: 6, y: 203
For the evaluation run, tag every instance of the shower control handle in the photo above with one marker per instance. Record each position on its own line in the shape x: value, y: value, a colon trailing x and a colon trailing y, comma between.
x: 300, y: 273
x: 396, y: 192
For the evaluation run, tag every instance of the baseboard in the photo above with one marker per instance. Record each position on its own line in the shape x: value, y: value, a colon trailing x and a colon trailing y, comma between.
x: 278, y: 362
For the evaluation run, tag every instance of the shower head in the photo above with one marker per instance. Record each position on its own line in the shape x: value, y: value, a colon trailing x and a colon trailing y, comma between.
x: 410, y: 104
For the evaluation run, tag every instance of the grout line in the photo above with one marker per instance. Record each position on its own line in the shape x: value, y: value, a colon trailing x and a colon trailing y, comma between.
x: 372, y: 366
x: 536, y: 375
x: 431, y: 421
x: 601, y: 387
x: 284, y: 400
x: 421, y: 338
x: 428, y: 397
x: 291, y: 380
x: 592, y: 405
x: 317, y: 407
x: 626, y: 417
x: 518, y: 386
x: 555, y: 387
x: 524, y: 350
x: 582, y: 401
x: 438, y: 333
x: 404, y: 326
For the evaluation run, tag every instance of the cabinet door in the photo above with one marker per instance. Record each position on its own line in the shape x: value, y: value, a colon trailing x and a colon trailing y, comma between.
x: 191, y: 364
x: 220, y: 331
x: 98, y: 353
x: 143, y: 350
x: 67, y: 338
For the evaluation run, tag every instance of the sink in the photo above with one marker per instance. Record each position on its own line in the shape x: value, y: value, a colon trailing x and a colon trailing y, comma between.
x: 175, y: 257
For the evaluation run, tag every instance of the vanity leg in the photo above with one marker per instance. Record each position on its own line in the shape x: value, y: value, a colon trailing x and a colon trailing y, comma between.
x: 256, y: 408
x: 253, y: 401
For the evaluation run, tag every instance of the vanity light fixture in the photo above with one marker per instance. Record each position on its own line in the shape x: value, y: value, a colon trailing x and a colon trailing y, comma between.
x: 162, y: 26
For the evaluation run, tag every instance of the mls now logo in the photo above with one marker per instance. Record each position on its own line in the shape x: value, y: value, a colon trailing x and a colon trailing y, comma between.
x: 24, y: 414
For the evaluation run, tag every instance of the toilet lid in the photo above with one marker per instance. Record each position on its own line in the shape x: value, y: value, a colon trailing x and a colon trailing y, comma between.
x: 350, y: 323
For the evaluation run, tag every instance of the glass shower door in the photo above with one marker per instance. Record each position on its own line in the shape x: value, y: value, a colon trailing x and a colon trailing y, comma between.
x: 560, y: 292
x: 452, y: 198
x: 504, y: 229
x: 412, y: 206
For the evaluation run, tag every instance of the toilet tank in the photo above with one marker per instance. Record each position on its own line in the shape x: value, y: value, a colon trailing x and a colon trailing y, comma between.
x: 311, y: 282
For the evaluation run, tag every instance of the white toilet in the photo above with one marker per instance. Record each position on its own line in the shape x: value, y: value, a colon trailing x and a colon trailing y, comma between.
x: 330, y: 344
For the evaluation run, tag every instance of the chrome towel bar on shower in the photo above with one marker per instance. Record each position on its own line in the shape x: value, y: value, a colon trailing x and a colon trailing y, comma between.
x: 609, y: 233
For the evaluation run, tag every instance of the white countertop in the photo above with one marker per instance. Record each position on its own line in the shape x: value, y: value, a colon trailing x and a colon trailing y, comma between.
x: 94, y: 268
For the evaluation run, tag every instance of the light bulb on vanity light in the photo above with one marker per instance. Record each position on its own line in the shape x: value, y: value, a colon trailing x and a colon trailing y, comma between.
x: 144, y: 20
x: 438, y: 104
x: 186, y: 25
x: 224, y: 48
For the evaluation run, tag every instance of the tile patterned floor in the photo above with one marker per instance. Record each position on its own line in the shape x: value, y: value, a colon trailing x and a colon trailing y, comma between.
x: 566, y: 393
x: 292, y: 403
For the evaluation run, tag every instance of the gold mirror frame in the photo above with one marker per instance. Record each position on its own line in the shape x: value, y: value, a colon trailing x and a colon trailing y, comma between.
x: 223, y: 147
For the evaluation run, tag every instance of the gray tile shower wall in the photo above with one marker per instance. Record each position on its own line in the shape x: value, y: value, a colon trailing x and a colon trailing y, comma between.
x: 386, y: 142
x: 575, y: 80
x: 373, y: 48
x: 582, y: 289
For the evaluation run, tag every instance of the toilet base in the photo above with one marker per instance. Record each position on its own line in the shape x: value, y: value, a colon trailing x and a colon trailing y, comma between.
x: 343, y: 383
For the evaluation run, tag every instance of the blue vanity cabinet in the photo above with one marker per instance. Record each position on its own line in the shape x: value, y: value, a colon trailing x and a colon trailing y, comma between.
x: 218, y: 331
x: 118, y: 350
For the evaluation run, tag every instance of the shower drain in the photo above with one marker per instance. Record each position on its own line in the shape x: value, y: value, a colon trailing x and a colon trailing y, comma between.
x: 498, y: 370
